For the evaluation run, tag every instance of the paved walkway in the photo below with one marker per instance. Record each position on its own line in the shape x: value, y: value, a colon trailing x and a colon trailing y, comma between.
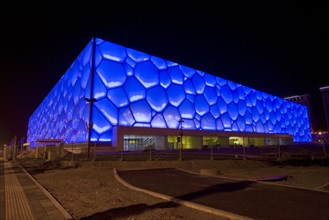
x: 23, y: 198
x: 231, y: 198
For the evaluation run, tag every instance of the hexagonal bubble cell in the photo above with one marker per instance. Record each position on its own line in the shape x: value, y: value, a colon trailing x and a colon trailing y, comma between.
x: 186, y: 109
x: 210, y: 80
x: 201, y: 105
x: 164, y: 79
x: 126, y: 117
x: 241, y: 93
x: 85, y: 56
x: 227, y: 121
x: 137, y: 56
x: 108, y: 110
x: 111, y: 73
x: 158, y: 121
x: 208, y: 122
x: 99, y: 88
x: 100, y: 123
x: 214, y: 111
x: 171, y: 115
x: 189, y: 88
x: 141, y: 111
x: 147, y: 74
x: 222, y: 106
x: 233, y: 111
x: 188, y: 124
x: 113, y: 51
x: 175, y: 94
x: 241, y: 123
x: 210, y: 95
x: 242, y: 107
x: 157, y: 98
x: 118, y: 97
x: 176, y: 75
x: 159, y: 62
x: 198, y: 83
x: 134, y: 89
x: 187, y: 71
x: 260, y: 106
x: 227, y: 94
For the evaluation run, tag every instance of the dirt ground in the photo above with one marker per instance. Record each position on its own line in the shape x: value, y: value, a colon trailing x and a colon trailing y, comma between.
x: 90, y: 190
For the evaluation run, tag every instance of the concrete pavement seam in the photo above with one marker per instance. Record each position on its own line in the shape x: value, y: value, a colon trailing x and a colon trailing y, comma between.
x: 196, y: 206
x: 60, y: 208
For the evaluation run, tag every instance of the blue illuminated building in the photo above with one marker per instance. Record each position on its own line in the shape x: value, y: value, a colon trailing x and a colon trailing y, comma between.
x: 140, y: 95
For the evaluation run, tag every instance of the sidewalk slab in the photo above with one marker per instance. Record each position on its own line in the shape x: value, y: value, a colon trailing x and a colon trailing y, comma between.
x: 24, y: 198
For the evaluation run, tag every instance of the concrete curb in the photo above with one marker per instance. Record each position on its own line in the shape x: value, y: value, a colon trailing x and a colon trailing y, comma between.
x: 65, y: 214
x: 262, y: 182
x: 196, y: 206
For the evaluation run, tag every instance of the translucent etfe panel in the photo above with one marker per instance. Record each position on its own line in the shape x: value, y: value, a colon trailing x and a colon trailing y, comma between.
x: 189, y: 88
x: 255, y: 114
x: 222, y: 106
x: 187, y: 71
x: 137, y: 56
x: 141, y: 111
x: 118, y: 97
x: 241, y: 123
x: 86, y: 54
x: 112, y: 51
x: 134, y: 90
x: 157, y: 98
x: 260, y: 106
x: 99, y: 88
x: 208, y: 122
x: 100, y: 123
x: 252, y: 97
x: 147, y: 74
x: 188, y: 124
x: 210, y: 95
x: 158, y: 121
x: 227, y: 94
x: 111, y: 73
x: 126, y: 117
x: 210, y: 80
x: 85, y: 77
x: 164, y: 79
x: 175, y: 94
x: 186, y: 109
x: 221, y: 82
x: 227, y: 121
x: 233, y: 111
x: 269, y: 105
x: 171, y: 115
x: 108, y: 110
x: 159, y: 62
x: 242, y: 107
x: 214, y: 111
x: 176, y: 75
x: 201, y: 105
x: 199, y: 84
x: 241, y: 93
x: 107, y: 136
x: 219, y: 125
x: 259, y: 127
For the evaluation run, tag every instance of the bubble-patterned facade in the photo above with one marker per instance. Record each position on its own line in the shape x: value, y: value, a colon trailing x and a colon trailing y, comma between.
x: 136, y: 89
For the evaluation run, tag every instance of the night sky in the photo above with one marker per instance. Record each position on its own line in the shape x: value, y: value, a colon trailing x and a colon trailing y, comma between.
x: 278, y: 49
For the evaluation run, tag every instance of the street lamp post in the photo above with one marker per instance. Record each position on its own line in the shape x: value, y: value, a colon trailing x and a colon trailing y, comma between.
x: 181, y: 139
x: 90, y: 124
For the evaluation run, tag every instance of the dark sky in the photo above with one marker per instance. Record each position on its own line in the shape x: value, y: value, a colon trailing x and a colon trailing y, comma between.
x: 279, y: 49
